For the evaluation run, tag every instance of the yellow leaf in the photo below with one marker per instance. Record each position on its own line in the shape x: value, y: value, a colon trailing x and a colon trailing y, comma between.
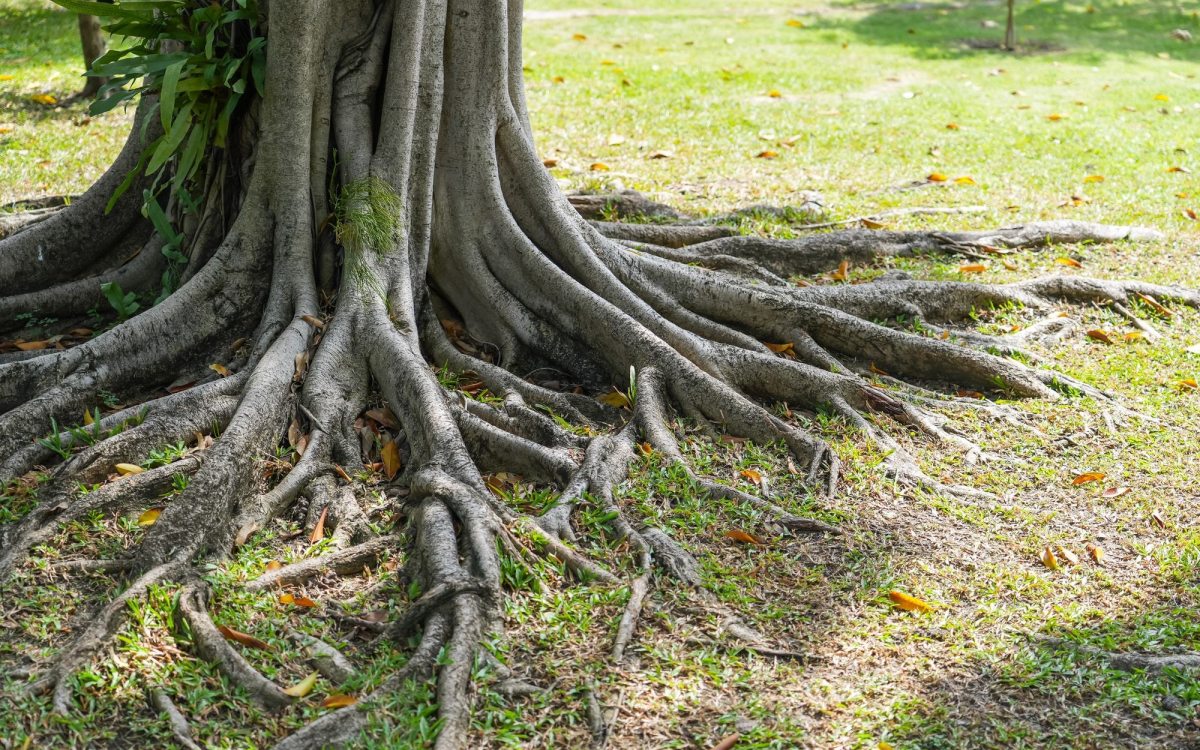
x: 219, y: 369
x: 661, y: 155
x: 972, y: 268
x: 767, y: 154
x: 391, y: 459
x: 1090, y: 476
x: 775, y: 93
x: 878, y: 370
x: 549, y: 163
x: 608, y: 62
x: 952, y: 126
x: 937, y: 177
x: 752, y: 475
x: 303, y: 687
x: 615, y: 399
x: 558, y: 79
x: 1067, y: 555
x: 738, y: 535
x: 1183, y: 170
x: 245, y: 639
x: 46, y: 99
x: 1055, y: 117
x: 287, y: 599
x: 579, y: 37
x: 1188, y: 384
x: 646, y: 449
x: 318, y: 532
x: 1068, y: 262
x: 795, y: 23
x: 126, y: 469
x: 842, y: 273
x: 1095, y: 552
x: 908, y: 602
x: 964, y: 180
x: 313, y: 321
x: 1009, y: 265
x: 780, y: 348
x: 1048, y: 559
x: 7, y: 77
x: 339, y: 700
x: 1158, y: 307
x: 1098, y: 335
x: 31, y: 346
x: 599, y: 166
x: 149, y: 517
x: 1161, y: 98
x: 871, y: 224
x: 1133, y: 336
x: 87, y: 417
x: 1094, y: 178
x: 273, y: 565
x: 885, y: 746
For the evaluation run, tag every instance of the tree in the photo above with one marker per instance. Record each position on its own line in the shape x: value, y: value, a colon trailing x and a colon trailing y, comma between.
x: 1010, y: 28
x: 91, y: 38
x: 329, y: 198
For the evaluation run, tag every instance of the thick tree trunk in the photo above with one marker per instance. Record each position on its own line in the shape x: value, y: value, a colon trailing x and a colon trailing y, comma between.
x: 445, y: 229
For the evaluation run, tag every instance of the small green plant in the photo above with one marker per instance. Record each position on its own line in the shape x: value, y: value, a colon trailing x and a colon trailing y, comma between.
x: 165, y: 455
x: 29, y: 319
x: 124, y: 303
x: 366, y: 216
x: 201, y: 58
x: 55, y: 442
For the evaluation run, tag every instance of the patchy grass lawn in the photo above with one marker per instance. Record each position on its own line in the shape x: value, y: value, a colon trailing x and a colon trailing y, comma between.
x: 856, y: 100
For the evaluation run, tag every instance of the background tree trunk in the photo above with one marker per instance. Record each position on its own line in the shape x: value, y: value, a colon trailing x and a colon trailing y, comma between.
x: 1010, y: 29
x: 91, y: 37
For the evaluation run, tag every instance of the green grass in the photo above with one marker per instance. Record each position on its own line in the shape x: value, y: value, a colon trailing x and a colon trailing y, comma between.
x: 866, y: 92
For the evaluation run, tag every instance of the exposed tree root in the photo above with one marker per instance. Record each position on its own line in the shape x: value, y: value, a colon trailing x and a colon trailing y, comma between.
x: 323, y: 333
x: 179, y: 723
x: 1129, y: 661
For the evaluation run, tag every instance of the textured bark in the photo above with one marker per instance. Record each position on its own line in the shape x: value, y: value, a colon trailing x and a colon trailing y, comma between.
x: 490, y: 272
x: 91, y: 38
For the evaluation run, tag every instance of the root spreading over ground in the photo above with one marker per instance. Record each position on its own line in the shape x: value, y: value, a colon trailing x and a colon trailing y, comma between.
x: 380, y: 216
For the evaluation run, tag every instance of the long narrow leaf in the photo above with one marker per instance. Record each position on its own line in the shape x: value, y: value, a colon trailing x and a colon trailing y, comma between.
x: 103, y: 10
x: 170, y: 142
x: 166, y: 100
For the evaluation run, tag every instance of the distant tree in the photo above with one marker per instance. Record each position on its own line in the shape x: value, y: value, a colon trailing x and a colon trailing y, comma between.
x: 92, y: 39
x: 1010, y: 30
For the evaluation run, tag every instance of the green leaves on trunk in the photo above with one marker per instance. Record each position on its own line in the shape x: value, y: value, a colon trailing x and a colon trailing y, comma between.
x: 201, y: 58
x: 366, y: 215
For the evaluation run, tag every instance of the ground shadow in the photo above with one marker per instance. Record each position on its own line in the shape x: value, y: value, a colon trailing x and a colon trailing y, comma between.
x: 1086, y: 32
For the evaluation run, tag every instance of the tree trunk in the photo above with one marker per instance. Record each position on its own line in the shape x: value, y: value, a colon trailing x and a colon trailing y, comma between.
x: 1010, y: 28
x: 92, y: 40
x: 446, y: 242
